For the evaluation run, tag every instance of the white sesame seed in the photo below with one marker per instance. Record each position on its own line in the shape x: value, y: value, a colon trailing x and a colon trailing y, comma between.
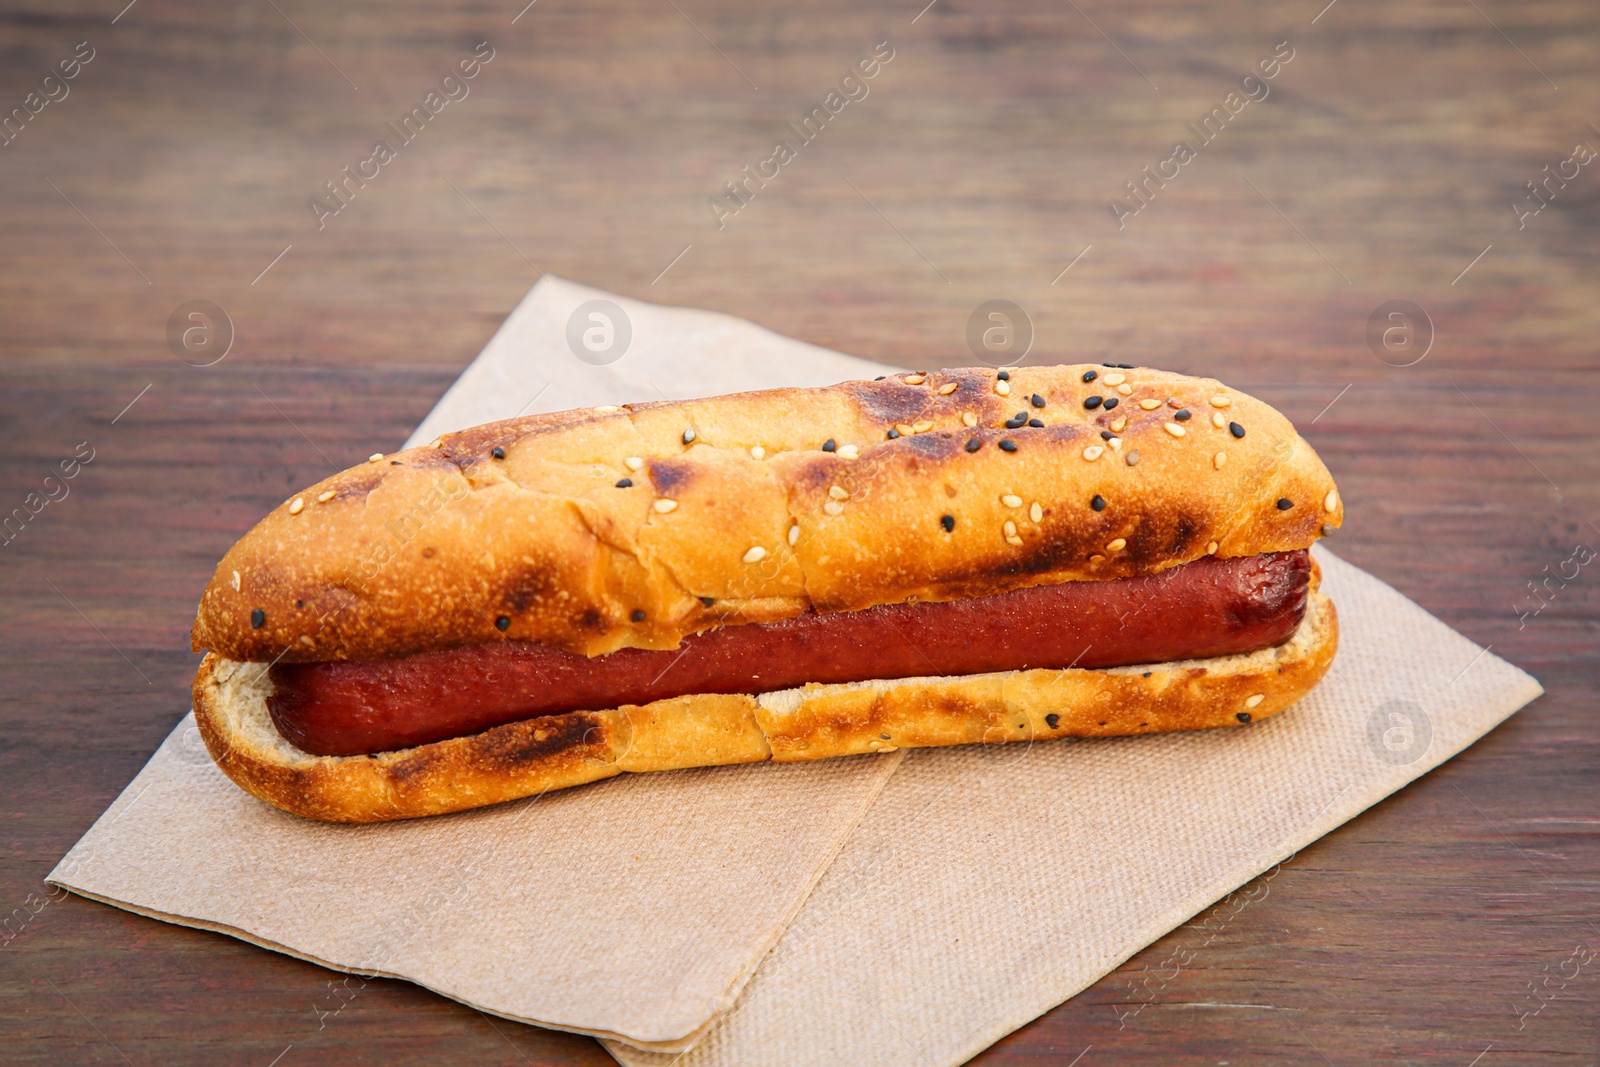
x: 755, y: 555
x: 375, y: 457
x: 1011, y: 500
x: 436, y: 442
x: 324, y: 497
x: 235, y: 582
x: 1331, y: 501
x: 833, y: 507
x: 1211, y: 548
x: 914, y: 379
x: 1219, y: 459
x: 664, y: 505
x: 305, y: 640
x: 607, y: 409
x: 297, y: 506
x: 968, y: 419
x: 921, y: 426
x: 689, y: 436
x: 1117, y: 545
x: 1115, y: 443
x: 1149, y: 405
x: 1125, y: 389
x: 1010, y: 528
x: 1218, y: 420
x: 1174, y: 429
x: 1221, y: 401
x: 794, y: 533
x: 1013, y: 539
x: 1003, y: 388
x: 1114, y: 378
x: 1036, y: 512
x: 1255, y: 700
x: 838, y: 493
x: 849, y: 452
x: 1174, y: 402
x: 1093, y: 452
x: 947, y: 388
x: 1118, y: 423
x: 904, y: 429
x: 1096, y: 558
x: 633, y: 463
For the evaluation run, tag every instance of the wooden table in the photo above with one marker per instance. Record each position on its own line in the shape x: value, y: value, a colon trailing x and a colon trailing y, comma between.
x: 1382, y: 165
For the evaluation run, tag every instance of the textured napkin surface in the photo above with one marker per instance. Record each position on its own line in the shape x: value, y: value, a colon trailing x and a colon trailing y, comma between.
x: 635, y: 907
x: 988, y: 884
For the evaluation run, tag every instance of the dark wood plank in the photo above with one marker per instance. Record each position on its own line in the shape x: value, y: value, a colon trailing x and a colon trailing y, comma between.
x: 1385, y: 158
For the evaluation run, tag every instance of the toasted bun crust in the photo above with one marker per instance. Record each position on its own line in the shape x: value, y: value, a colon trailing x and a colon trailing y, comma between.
x: 815, y: 722
x: 448, y: 545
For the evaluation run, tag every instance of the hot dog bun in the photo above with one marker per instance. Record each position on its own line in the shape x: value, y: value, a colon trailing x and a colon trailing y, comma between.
x: 532, y: 757
x: 758, y: 506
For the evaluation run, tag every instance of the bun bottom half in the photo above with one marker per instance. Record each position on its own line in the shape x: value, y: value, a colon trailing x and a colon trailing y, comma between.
x: 535, y: 756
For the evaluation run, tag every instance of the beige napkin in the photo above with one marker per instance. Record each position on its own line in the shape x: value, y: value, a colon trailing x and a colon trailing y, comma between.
x: 989, y: 884
x: 983, y: 886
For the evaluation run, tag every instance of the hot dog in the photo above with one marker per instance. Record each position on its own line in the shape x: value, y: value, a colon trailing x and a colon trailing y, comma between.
x: 553, y: 599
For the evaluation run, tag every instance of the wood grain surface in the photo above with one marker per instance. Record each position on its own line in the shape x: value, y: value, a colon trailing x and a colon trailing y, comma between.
x: 1383, y: 164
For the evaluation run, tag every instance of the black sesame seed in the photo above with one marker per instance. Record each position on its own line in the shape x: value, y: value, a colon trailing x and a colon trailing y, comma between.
x: 1005, y: 376
x: 1037, y: 424
x: 1112, y: 365
x: 1235, y: 429
x: 1037, y: 400
x: 893, y: 434
x: 1007, y: 445
x: 1092, y: 402
x: 1098, y: 503
x: 1284, y: 503
x: 1019, y: 419
x: 394, y: 463
x: 974, y: 443
x: 880, y: 377
x: 1111, y: 402
x: 638, y: 615
x: 1243, y: 716
x: 1090, y: 375
x: 1052, y: 720
x: 707, y: 601
x: 1182, y: 415
x: 884, y: 736
x: 1145, y: 675
x: 1106, y: 435
x: 624, y: 483
x: 829, y: 446
x: 497, y: 452
x: 688, y: 437
x: 503, y: 623
x: 258, y: 619
x: 299, y: 603
x: 948, y: 522
x: 1124, y: 366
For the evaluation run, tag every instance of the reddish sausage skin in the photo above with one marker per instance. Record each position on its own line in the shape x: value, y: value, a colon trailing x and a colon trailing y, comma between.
x: 1211, y: 607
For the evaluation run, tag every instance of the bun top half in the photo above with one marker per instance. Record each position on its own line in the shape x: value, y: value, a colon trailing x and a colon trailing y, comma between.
x: 607, y: 528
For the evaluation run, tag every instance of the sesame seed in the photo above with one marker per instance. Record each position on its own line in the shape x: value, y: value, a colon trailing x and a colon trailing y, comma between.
x: 436, y: 442
x: 1132, y: 458
x: 1221, y: 401
x: 375, y: 457
x: 497, y: 452
x: 1217, y: 420
x: 235, y: 582
x: 1117, y: 545
x: 1003, y: 387
x: 1219, y: 459
x: 258, y: 619
x: 838, y: 493
x: 833, y: 507
x: 1093, y: 452
x: 1235, y: 429
x: 1037, y: 424
x: 1098, y: 503
x: 1115, y: 444
x: 607, y: 409
x: 1284, y: 503
x: 1255, y: 701
x: 633, y: 463
x: 707, y: 601
x: 1211, y: 548
x: 1004, y: 375
x: 968, y: 419
x: 1097, y: 557
x: 905, y: 429
x: 1108, y: 364
x: 297, y: 506
x: 1115, y: 379
x: 880, y: 377
x: 1007, y: 445
x: 914, y: 379
x: 1036, y: 512
x: 947, y: 388
x: 503, y: 623
x: 1052, y: 720
x: 794, y: 533
x: 1174, y: 402
x: 688, y: 437
x: 1118, y: 423
x: 624, y: 483
x: 921, y: 426
x: 664, y: 505
x: 323, y: 498
x: 1092, y: 402
x: 1090, y: 375
x: 757, y: 452
x: 1019, y: 419
x: 1011, y: 500
x: 1014, y: 540
x: 1182, y: 415
x: 1106, y: 435
x: 948, y: 522
x: 1010, y: 528
x: 1331, y: 501
x: 1036, y: 400
x: 848, y: 452
x: 638, y: 615
x: 755, y: 555
x: 1174, y: 429
x: 829, y: 446
x: 1111, y: 402
x: 893, y: 434
x: 305, y: 639
x: 1327, y: 531
x: 1149, y: 405
x: 1243, y: 716
x: 973, y: 444
x: 1125, y: 389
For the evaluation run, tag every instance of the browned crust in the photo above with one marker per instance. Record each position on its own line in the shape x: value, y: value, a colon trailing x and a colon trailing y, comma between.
x: 528, y: 758
x: 429, y: 547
